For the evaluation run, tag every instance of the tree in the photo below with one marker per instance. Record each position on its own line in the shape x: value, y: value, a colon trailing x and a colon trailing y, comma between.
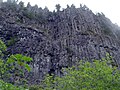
x: 29, y: 7
x: 68, y: 6
x: 98, y: 75
x: 21, y: 5
x: 17, y: 66
x: 8, y: 86
x: 12, y: 1
x: 14, y: 66
x: 35, y: 9
x: 73, y: 6
x: 58, y: 7
x: 2, y: 49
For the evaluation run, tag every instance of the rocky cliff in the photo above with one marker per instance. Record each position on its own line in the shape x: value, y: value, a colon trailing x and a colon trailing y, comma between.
x: 57, y: 39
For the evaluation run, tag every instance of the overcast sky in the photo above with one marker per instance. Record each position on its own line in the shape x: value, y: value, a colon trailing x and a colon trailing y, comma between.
x: 109, y: 7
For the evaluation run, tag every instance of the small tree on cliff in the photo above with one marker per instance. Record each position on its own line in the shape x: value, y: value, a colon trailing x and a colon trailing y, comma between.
x: 58, y: 7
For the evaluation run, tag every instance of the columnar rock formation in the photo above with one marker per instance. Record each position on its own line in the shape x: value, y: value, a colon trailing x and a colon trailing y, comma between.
x: 58, y: 39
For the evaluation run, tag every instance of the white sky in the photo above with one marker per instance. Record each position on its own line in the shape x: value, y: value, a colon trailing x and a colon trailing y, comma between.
x: 109, y: 7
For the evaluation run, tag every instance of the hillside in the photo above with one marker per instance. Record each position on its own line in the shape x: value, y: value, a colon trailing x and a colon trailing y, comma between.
x: 57, y: 39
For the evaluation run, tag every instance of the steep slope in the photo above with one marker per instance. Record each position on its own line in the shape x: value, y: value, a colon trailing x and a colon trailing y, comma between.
x: 57, y: 39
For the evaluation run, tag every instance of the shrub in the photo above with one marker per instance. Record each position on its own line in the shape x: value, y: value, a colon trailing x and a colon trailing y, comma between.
x: 35, y: 87
x: 2, y: 48
x: 12, y: 41
x: 99, y: 75
x: 29, y: 14
x: 13, y: 68
x: 8, y: 86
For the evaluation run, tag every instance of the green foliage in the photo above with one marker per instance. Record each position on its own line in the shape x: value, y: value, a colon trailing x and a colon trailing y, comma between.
x: 35, y: 87
x: 29, y: 14
x: 106, y: 30
x: 2, y: 48
x: 12, y: 4
x: 11, y: 41
x: 98, y: 75
x: 13, y: 67
x: 8, y: 86
x: 18, y: 65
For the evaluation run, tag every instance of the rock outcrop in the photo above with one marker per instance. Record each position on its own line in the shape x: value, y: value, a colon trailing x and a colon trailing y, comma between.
x: 58, y: 39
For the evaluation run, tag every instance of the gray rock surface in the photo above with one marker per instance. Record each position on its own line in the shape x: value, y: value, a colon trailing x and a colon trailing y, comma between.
x: 56, y: 40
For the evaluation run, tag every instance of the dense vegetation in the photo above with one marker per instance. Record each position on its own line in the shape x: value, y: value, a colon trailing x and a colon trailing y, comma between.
x: 98, y: 75
x: 8, y: 86
x: 12, y: 69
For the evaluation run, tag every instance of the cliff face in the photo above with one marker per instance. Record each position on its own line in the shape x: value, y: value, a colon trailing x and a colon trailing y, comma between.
x: 58, y: 39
